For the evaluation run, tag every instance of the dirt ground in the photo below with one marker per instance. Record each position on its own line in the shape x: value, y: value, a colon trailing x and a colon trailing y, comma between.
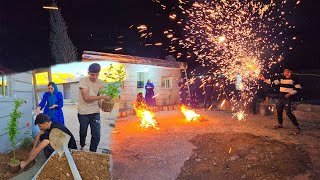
x: 5, y: 159
x: 218, y: 148
x: 90, y: 166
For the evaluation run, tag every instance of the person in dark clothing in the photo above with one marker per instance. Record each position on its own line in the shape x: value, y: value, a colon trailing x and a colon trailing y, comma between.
x: 208, y: 89
x: 45, y: 125
x: 183, y: 91
x: 288, y: 88
x: 195, y: 83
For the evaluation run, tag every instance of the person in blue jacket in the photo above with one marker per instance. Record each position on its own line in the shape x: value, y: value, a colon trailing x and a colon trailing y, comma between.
x: 150, y: 99
x: 52, y: 102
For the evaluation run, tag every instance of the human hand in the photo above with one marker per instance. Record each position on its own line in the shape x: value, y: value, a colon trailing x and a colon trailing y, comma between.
x: 38, y: 110
x: 53, y: 106
x: 261, y: 77
x: 288, y: 95
x: 108, y: 98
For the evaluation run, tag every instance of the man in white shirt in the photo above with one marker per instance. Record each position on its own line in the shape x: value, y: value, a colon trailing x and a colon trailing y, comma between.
x: 88, y: 107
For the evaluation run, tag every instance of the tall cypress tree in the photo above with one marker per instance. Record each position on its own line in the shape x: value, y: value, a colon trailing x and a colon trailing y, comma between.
x: 62, y: 49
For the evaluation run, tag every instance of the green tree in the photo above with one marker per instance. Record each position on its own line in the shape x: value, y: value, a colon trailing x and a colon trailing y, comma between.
x: 13, y: 125
x: 62, y: 49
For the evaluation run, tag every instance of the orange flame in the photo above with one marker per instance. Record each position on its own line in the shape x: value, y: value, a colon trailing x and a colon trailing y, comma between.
x: 146, y: 117
x: 189, y: 114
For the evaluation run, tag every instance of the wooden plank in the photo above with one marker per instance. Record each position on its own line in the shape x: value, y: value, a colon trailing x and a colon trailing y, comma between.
x: 35, y: 87
x: 42, y: 89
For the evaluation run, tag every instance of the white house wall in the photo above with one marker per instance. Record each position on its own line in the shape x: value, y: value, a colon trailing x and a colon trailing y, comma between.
x: 130, y: 84
x: 155, y: 73
x: 20, y: 86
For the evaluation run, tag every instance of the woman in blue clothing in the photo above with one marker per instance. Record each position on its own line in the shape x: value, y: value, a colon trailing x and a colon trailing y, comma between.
x: 151, y: 101
x: 52, y: 102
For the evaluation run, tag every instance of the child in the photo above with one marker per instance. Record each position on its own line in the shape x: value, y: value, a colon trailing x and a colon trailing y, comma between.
x: 140, y: 102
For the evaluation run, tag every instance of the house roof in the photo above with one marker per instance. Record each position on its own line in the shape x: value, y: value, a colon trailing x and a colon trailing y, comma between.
x: 88, y: 56
x: 5, y: 70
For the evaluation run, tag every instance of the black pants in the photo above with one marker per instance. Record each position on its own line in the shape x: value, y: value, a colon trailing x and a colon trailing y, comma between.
x: 207, y: 100
x: 183, y: 97
x: 286, y: 104
x: 48, y: 150
x: 94, y: 121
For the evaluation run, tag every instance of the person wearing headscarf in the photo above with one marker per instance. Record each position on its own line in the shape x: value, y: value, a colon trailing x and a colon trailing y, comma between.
x: 52, y: 102
x: 151, y: 101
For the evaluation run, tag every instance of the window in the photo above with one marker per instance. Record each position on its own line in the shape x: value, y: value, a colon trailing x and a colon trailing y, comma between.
x: 142, y: 78
x: 3, y: 84
x: 166, y: 82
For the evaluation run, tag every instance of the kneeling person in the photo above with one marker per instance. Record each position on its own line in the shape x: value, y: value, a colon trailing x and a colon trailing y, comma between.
x: 45, y: 125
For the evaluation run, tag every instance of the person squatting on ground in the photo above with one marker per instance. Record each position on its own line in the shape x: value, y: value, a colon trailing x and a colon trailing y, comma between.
x: 52, y: 102
x: 88, y: 107
x: 288, y: 88
x: 208, y: 89
x: 183, y: 91
x: 140, y: 102
x: 45, y: 125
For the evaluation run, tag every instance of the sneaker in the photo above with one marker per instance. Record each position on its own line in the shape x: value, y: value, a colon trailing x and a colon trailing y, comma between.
x: 278, y: 126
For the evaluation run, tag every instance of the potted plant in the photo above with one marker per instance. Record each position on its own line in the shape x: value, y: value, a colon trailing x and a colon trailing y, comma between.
x: 113, y: 77
x: 13, y: 132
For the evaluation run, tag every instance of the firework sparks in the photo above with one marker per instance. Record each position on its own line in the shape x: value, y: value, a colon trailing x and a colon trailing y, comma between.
x: 233, y: 37
x: 240, y: 115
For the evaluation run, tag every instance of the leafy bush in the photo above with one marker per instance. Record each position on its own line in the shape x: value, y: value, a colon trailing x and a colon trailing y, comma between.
x: 113, y: 77
x: 13, y: 126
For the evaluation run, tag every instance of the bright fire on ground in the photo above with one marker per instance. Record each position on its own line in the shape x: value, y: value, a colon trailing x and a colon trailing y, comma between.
x: 146, y: 117
x: 189, y: 114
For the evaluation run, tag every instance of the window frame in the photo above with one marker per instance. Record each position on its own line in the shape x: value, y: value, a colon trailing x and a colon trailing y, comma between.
x: 165, y: 79
x: 4, y: 88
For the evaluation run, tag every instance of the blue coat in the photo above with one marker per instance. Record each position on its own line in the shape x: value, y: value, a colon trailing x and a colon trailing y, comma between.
x: 58, y: 114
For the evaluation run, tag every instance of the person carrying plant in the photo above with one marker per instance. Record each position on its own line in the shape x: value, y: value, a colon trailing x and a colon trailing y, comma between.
x: 88, y: 107
x: 45, y: 125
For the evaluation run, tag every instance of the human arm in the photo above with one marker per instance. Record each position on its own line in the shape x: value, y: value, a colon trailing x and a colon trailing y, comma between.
x: 59, y: 104
x: 42, y: 103
x: 36, y: 141
x: 268, y: 81
x: 297, y: 87
x: 88, y: 98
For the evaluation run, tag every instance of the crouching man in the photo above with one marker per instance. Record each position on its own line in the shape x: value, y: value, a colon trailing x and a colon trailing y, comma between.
x: 42, y: 140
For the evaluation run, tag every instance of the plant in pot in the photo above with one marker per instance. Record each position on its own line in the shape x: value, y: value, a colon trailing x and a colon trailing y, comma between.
x: 113, y: 77
x: 12, y: 128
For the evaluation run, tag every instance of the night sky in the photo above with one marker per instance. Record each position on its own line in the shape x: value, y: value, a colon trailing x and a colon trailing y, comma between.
x: 99, y: 24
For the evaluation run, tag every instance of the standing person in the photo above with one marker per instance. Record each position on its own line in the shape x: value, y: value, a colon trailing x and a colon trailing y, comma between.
x: 52, y: 102
x: 288, y: 88
x: 151, y: 101
x: 193, y: 92
x: 42, y: 140
x: 208, y: 89
x: 88, y: 107
x: 183, y: 91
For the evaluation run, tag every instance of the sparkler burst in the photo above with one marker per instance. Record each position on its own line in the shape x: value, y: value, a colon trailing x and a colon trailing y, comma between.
x: 236, y: 38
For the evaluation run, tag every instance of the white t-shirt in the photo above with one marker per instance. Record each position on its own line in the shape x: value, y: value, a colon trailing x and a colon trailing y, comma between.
x: 93, y: 89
